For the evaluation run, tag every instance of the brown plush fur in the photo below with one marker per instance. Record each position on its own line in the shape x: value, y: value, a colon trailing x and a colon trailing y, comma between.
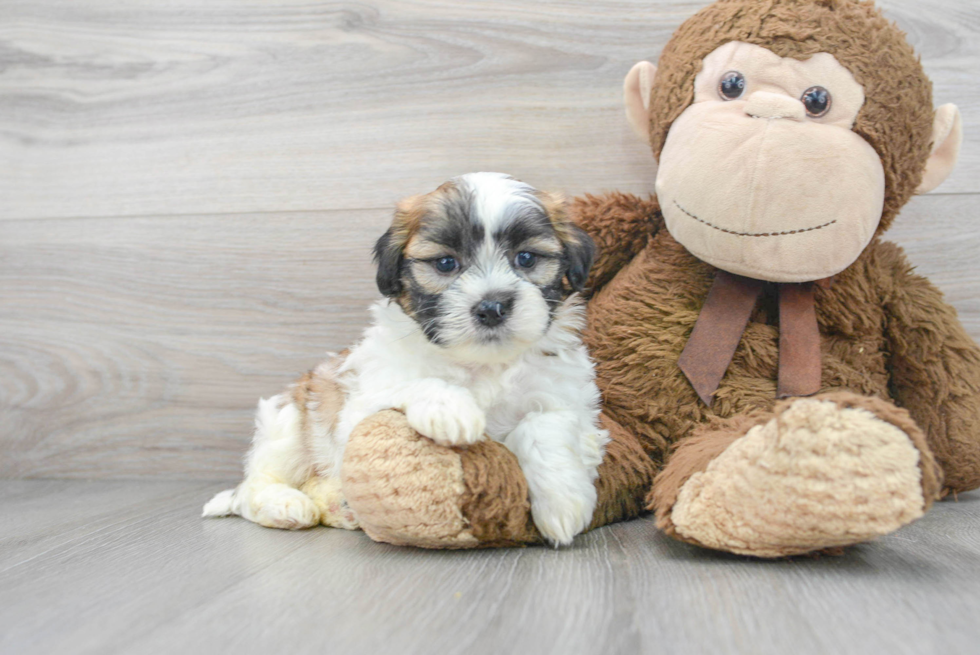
x: 495, y: 503
x: 624, y: 471
x: 622, y: 225
x: 921, y: 358
x: 935, y: 370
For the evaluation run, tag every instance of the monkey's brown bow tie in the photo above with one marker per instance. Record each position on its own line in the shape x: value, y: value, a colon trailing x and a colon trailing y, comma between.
x: 719, y: 329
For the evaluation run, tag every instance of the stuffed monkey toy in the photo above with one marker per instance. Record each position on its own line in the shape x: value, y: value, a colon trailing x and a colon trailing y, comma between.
x: 776, y: 380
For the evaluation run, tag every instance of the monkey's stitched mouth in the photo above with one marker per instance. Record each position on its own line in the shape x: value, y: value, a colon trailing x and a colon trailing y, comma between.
x: 754, y: 234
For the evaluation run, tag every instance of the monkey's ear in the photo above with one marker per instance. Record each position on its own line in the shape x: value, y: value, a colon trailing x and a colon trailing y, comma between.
x: 636, y: 94
x: 947, y: 135
x: 388, y: 257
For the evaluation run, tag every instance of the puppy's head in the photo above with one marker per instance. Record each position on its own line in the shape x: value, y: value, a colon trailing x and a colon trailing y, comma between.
x: 482, y: 263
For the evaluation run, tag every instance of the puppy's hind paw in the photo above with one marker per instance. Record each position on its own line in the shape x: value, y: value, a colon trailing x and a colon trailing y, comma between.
x: 328, y: 497
x: 283, y: 507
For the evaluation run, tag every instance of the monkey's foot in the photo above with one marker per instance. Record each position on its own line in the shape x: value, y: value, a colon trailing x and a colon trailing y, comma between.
x: 822, y: 472
x: 407, y: 490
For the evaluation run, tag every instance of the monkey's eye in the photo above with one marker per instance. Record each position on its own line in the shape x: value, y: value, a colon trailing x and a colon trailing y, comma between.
x: 526, y: 259
x: 732, y: 85
x: 816, y: 99
x: 446, y: 264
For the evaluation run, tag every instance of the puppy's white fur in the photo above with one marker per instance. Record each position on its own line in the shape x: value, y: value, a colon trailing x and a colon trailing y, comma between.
x: 531, y: 389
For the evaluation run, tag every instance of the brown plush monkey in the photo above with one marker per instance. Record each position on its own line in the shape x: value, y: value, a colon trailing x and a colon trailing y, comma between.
x: 779, y: 368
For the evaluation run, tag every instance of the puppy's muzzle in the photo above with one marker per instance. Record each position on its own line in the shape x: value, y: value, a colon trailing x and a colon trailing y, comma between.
x: 493, y: 310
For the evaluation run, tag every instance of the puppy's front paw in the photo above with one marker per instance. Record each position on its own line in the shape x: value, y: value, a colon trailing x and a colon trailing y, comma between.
x: 560, y: 514
x: 450, y: 417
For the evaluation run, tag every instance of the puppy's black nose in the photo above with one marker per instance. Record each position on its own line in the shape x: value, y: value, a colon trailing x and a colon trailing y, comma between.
x: 492, y: 312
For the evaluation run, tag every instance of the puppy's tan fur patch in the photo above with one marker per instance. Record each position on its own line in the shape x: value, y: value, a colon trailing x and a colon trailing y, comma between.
x: 319, y: 399
x: 408, y: 218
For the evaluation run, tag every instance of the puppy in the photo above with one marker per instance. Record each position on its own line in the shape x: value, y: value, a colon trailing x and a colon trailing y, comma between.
x: 478, y: 337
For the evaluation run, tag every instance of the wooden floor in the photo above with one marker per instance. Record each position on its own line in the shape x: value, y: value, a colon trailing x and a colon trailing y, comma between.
x: 129, y: 567
x: 188, y: 195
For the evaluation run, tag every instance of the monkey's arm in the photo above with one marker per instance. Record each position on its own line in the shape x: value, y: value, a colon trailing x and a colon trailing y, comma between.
x: 620, y: 224
x: 935, y: 369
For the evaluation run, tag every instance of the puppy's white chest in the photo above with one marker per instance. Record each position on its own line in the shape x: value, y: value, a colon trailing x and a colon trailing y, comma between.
x: 503, y: 396
x: 488, y: 388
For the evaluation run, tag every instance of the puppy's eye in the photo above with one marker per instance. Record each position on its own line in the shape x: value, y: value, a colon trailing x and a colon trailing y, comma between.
x: 816, y: 99
x: 446, y: 264
x: 526, y: 259
x: 732, y: 85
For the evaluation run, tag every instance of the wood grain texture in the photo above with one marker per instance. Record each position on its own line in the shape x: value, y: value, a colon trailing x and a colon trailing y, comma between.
x: 134, y: 348
x: 227, y: 106
x: 129, y: 567
x: 152, y: 339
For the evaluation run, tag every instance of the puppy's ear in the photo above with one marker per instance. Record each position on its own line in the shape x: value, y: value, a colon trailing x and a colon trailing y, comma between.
x: 388, y: 257
x: 579, y: 248
x: 388, y: 250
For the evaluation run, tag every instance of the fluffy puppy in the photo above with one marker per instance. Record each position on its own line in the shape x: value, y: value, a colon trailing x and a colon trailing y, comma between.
x: 478, y: 337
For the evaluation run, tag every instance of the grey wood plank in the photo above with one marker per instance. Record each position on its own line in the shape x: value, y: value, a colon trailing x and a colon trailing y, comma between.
x: 117, y: 580
x: 143, y: 108
x: 138, y: 347
x: 38, y: 517
x: 167, y: 581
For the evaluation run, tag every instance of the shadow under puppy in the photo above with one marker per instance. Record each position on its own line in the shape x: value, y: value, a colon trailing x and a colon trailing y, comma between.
x: 478, y: 337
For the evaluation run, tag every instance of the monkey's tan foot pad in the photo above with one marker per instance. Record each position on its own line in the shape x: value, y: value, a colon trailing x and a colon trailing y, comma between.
x: 821, y: 473
x: 407, y: 490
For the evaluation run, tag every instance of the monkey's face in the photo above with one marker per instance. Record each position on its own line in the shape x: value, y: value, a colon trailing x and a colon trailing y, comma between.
x: 762, y: 175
